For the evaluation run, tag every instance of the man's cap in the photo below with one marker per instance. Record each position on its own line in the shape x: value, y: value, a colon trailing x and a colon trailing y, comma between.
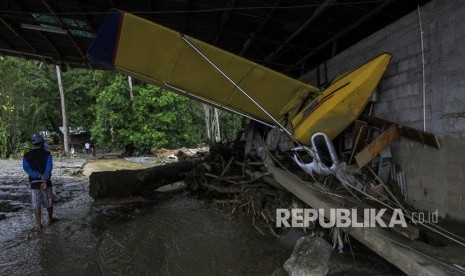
x: 37, y: 139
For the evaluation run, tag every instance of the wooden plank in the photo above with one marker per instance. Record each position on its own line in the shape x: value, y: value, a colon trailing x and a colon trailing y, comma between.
x: 387, y: 244
x: 118, y: 201
x: 411, y: 232
x: 358, y: 125
x: 407, y: 132
x: 360, y: 134
x: 377, y: 146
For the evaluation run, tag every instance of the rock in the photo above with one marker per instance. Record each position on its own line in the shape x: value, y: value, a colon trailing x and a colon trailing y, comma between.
x: 279, y: 272
x: 291, y: 237
x: 310, y: 257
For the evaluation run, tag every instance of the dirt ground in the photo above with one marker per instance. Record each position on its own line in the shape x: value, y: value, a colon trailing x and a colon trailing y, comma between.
x: 175, y: 235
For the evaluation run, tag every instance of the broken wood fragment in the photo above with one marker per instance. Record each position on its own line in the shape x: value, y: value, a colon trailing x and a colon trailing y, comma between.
x: 220, y: 178
x: 360, y: 135
x: 226, y: 168
x: 407, y: 132
x: 226, y: 201
x: 231, y: 189
x: 261, y: 149
x: 377, y: 146
x: 387, y: 189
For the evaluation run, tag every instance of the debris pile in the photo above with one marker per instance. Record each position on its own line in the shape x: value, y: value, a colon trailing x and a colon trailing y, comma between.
x: 255, y: 176
x: 236, y: 174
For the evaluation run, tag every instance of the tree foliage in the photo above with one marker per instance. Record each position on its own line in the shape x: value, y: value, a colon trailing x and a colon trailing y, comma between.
x: 156, y: 118
x: 98, y: 102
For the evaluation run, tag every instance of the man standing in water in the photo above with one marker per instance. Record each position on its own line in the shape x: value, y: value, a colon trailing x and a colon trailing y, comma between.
x: 37, y: 163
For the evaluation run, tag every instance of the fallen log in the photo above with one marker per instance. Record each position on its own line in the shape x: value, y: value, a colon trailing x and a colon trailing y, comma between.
x: 119, y: 200
x: 125, y: 183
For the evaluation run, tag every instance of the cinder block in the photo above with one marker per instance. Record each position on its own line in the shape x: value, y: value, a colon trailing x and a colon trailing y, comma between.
x: 387, y: 94
x: 454, y: 201
x: 417, y: 125
x: 395, y: 80
x: 402, y: 156
x: 411, y: 63
x: 456, y: 154
x: 414, y: 50
x: 451, y: 106
x: 428, y: 206
x: 452, y: 139
x: 396, y: 105
x: 416, y: 100
x: 409, y: 89
x: 437, y: 197
x: 430, y: 184
x: 455, y: 185
x: 426, y: 168
x: 437, y: 127
x: 382, y: 107
x: 414, y: 192
x: 448, y: 170
x: 456, y: 94
x: 411, y: 115
x: 422, y: 153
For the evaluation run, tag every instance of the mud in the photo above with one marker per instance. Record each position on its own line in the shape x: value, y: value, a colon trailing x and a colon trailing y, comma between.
x: 178, y: 235
x: 169, y: 235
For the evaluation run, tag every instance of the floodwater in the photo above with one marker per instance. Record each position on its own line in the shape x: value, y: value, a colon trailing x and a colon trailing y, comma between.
x: 171, y: 236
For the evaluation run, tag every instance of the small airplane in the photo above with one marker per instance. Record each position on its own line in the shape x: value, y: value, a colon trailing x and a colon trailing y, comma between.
x: 153, y: 53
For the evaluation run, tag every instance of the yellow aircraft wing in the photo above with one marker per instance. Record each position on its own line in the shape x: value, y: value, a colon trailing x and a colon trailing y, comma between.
x: 158, y: 55
x: 153, y: 53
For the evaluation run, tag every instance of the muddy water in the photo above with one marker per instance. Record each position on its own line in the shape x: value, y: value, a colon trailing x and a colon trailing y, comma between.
x: 172, y: 236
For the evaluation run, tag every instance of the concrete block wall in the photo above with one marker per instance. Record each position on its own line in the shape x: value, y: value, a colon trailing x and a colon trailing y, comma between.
x: 435, y: 178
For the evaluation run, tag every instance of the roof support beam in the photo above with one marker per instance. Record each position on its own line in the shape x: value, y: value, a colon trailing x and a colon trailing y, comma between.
x: 18, y: 34
x: 263, y: 23
x: 58, y: 19
x: 25, y: 54
x: 304, y: 26
x: 343, y: 32
x: 45, y: 58
x: 51, y: 44
x: 187, y: 19
x: 224, y: 19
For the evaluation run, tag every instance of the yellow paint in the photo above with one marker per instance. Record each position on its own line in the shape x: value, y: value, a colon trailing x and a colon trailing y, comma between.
x: 341, y: 103
x: 158, y: 55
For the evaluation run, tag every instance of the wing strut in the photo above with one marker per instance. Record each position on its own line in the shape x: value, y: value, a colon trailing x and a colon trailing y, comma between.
x: 220, y: 106
x: 239, y: 88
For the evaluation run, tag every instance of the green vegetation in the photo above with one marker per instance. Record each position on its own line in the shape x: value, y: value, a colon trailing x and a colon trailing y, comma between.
x: 98, y: 102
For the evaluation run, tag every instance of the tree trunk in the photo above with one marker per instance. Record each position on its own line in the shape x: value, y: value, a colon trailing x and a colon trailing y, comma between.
x: 63, y: 112
x: 125, y: 183
x: 216, y: 124
x: 206, y: 110
x: 131, y: 95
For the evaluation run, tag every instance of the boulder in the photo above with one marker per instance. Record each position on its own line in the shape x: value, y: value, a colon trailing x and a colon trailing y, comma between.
x: 310, y: 257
